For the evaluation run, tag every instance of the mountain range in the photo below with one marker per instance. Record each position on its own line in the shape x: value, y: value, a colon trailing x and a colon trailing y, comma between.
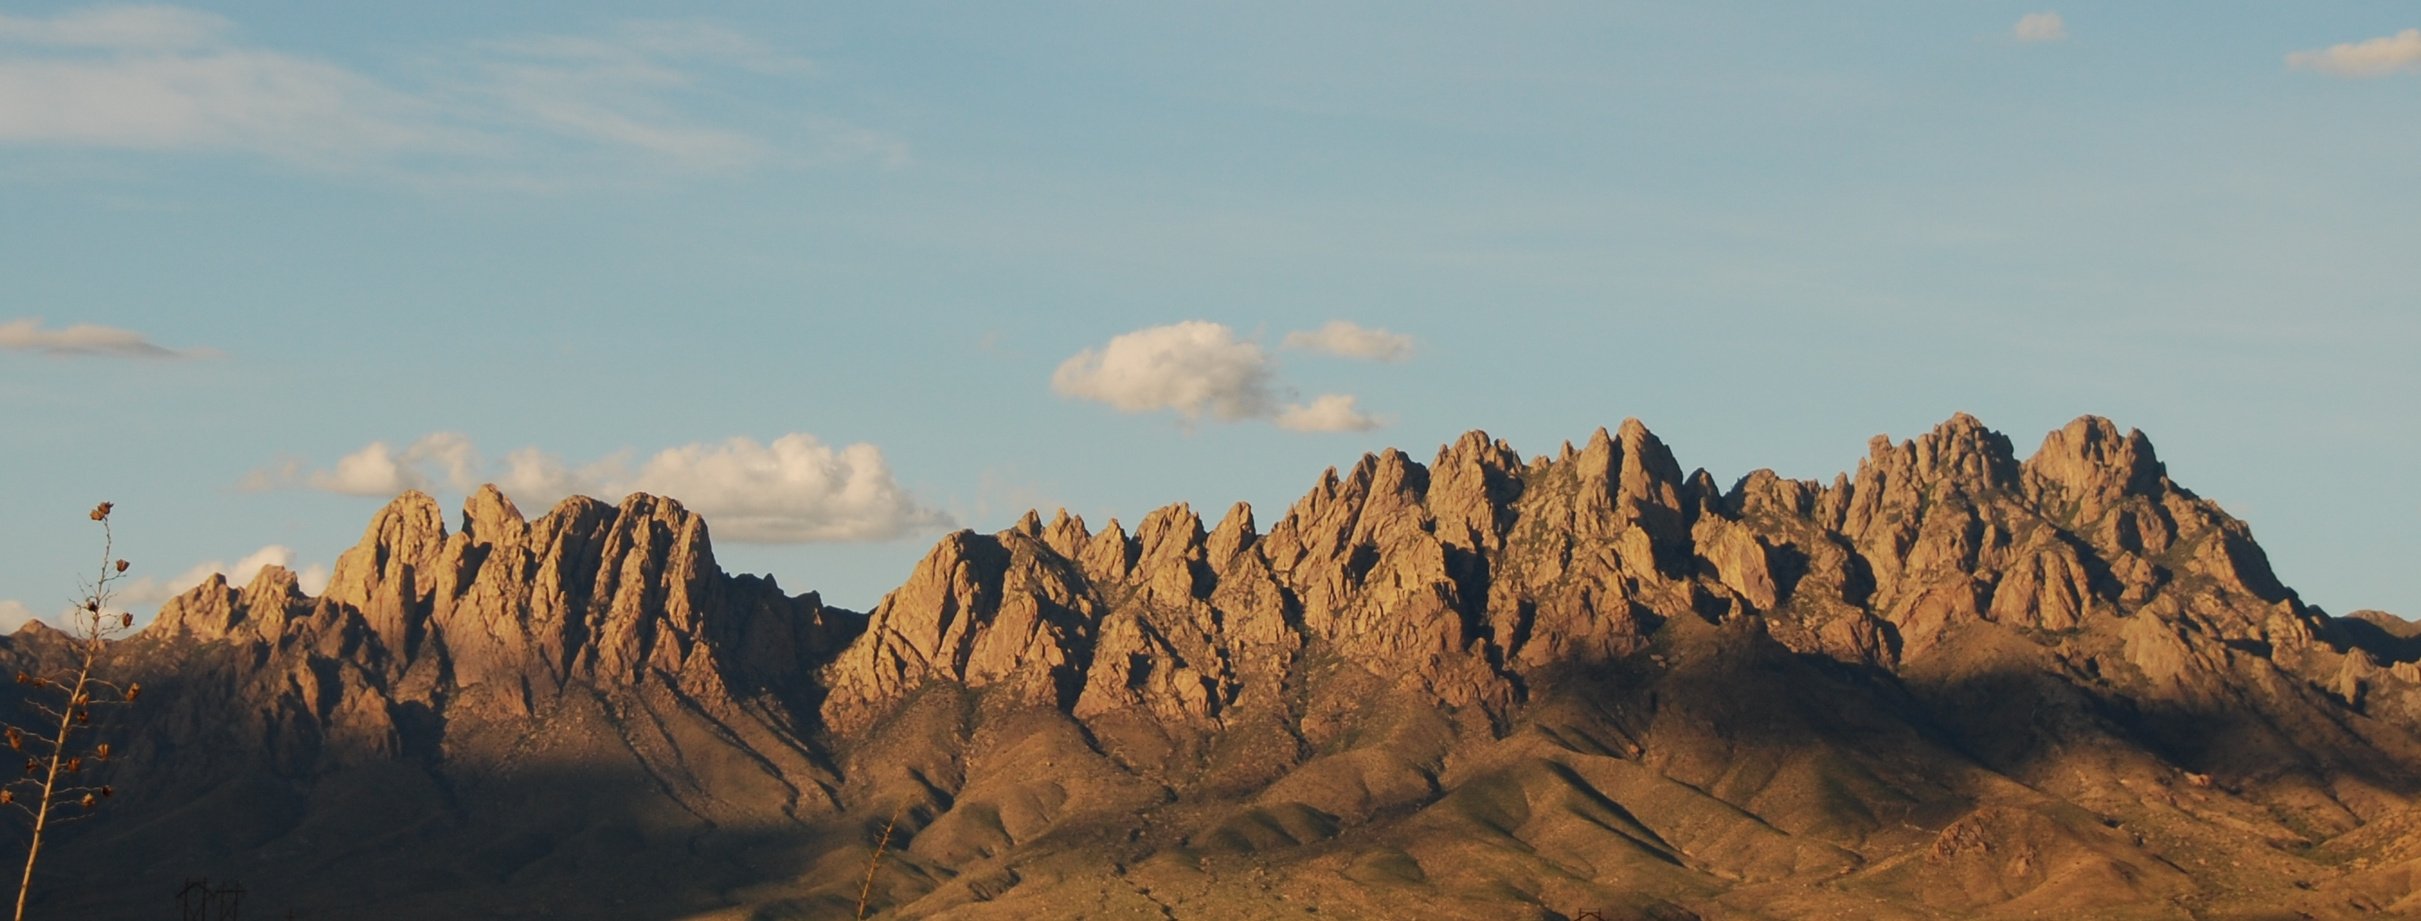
x: 1951, y: 683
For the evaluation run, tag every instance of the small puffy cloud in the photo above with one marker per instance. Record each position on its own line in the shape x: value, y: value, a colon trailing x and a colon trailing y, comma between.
x: 1199, y: 369
x: 1334, y: 412
x: 1194, y: 368
x: 2040, y: 27
x: 450, y: 453
x: 795, y: 489
x: 85, y: 340
x: 441, y: 459
x: 148, y: 592
x: 1348, y: 340
x: 536, y: 475
x: 372, y: 471
x: 2378, y: 57
x: 14, y: 614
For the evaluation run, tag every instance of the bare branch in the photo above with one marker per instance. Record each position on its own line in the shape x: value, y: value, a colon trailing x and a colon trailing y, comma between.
x: 94, y: 625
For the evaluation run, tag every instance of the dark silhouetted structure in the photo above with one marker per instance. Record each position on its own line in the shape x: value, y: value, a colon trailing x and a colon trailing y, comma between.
x: 201, y: 902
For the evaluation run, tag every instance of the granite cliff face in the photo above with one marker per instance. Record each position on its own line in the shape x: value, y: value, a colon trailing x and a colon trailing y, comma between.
x: 1949, y: 682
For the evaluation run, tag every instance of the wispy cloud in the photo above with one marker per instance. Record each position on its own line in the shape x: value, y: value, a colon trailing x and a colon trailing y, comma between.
x: 1198, y: 369
x: 642, y: 44
x: 795, y: 489
x: 2377, y: 57
x: 124, y: 27
x: 86, y: 340
x: 162, y: 78
x: 1348, y: 340
x: 2040, y: 27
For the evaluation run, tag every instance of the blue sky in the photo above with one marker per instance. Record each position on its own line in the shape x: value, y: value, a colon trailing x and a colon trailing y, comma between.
x: 848, y: 275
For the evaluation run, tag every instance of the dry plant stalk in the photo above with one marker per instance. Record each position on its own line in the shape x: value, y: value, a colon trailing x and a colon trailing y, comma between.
x: 874, y: 863
x: 54, y: 766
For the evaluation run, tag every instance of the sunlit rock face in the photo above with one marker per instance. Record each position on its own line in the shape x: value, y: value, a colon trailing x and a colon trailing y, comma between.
x: 1950, y: 682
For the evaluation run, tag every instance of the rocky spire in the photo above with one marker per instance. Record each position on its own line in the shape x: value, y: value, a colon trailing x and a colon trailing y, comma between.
x: 391, y: 575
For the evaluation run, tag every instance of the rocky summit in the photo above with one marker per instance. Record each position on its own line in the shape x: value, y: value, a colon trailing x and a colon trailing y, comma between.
x: 1952, y: 683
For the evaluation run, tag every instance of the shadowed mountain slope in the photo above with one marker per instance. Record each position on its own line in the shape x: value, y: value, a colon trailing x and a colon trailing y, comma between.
x: 1951, y: 683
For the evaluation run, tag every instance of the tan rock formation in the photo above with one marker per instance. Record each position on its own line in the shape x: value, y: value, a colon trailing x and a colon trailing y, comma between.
x: 1946, y: 683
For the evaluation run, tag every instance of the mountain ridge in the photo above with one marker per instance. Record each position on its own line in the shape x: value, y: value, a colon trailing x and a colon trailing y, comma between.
x: 1442, y: 681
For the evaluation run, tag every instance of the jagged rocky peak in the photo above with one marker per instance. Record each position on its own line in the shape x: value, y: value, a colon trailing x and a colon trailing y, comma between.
x: 215, y: 609
x: 1234, y: 533
x: 488, y: 517
x: 589, y: 589
x: 1029, y: 524
x: 2093, y: 465
x: 1066, y: 534
x: 1476, y: 448
x: 1766, y: 493
x: 388, y: 575
x: 406, y: 534
x: 1110, y: 554
x: 1648, y: 468
x: 1005, y: 610
x: 1473, y: 485
x: 1621, y: 478
x: 1960, y: 452
x: 1171, y: 531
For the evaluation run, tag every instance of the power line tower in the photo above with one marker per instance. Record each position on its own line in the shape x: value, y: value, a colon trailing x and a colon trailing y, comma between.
x: 200, y: 901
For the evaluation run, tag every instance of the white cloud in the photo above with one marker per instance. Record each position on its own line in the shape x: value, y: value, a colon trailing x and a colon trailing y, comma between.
x: 84, y: 339
x: 1348, y: 340
x: 794, y: 490
x: 451, y: 453
x: 146, y: 592
x: 372, y: 471
x: 14, y: 614
x: 437, y: 460
x: 1334, y: 412
x: 1194, y: 368
x: 162, y: 78
x: 538, y: 476
x: 1197, y: 369
x: 2040, y: 27
x: 2378, y: 57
